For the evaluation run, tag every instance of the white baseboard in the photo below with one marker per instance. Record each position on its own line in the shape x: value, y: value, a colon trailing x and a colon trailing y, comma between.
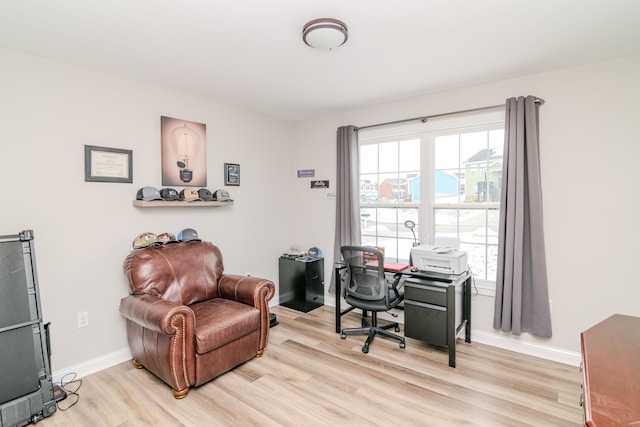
x: 510, y: 343
x: 92, y: 366
x: 530, y: 348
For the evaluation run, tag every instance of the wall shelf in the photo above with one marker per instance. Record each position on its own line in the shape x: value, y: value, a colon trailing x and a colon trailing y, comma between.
x: 179, y: 203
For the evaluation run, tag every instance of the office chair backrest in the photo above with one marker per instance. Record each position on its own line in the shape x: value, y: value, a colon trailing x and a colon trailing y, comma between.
x: 365, y: 273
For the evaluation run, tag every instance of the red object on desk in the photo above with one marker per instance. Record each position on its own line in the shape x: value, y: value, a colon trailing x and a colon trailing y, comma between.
x: 388, y: 265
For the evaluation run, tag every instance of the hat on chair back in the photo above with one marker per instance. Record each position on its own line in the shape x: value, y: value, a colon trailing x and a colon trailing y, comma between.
x: 145, y: 240
x: 167, y: 238
x: 188, y: 235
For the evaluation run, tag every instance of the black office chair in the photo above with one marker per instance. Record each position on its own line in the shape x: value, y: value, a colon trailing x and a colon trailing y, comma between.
x: 366, y: 288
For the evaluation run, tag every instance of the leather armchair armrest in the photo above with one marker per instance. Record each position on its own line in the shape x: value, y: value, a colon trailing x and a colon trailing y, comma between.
x: 253, y: 291
x: 160, y: 334
x: 156, y: 314
x: 249, y: 290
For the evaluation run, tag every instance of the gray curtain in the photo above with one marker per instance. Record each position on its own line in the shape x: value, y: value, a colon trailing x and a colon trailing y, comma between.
x: 347, y: 230
x: 522, y: 296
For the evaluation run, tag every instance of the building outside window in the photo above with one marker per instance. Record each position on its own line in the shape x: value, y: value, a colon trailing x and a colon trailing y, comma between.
x: 445, y: 176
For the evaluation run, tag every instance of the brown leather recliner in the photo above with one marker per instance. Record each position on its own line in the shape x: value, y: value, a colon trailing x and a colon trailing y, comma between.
x: 187, y: 321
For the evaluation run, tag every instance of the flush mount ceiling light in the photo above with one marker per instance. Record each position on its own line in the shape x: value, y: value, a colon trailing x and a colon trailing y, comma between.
x: 325, y: 33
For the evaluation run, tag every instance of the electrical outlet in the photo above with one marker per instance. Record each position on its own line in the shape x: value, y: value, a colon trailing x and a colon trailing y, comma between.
x: 83, y: 319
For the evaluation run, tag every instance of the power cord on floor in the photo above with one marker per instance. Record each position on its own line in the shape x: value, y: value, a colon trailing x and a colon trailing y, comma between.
x: 71, y: 387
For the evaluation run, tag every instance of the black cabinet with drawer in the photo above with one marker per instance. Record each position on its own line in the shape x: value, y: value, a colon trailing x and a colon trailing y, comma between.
x: 435, y: 310
x: 301, y: 283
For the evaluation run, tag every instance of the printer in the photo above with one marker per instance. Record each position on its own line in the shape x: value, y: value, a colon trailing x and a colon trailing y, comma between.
x: 439, y: 259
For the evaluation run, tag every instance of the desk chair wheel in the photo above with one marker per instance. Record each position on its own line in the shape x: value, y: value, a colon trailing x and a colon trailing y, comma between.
x: 365, y: 349
x: 343, y: 336
x: 397, y: 329
x: 402, y: 345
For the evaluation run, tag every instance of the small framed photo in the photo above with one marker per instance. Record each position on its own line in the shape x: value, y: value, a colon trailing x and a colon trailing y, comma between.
x: 231, y: 174
x: 103, y: 164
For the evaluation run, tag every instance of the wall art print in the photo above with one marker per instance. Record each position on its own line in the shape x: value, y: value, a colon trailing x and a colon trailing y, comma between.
x: 184, y: 153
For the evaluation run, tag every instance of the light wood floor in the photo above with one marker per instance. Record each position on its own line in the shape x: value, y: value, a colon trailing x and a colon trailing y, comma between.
x: 308, y: 376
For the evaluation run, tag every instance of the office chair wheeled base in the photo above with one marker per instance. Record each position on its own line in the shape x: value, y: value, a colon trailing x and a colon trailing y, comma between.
x: 372, y: 329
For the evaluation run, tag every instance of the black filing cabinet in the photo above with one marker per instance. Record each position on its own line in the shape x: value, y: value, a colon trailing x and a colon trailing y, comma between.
x: 301, y: 283
x: 435, y: 311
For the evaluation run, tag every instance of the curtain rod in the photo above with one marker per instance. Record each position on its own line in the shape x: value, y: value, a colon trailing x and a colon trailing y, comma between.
x: 424, y: 119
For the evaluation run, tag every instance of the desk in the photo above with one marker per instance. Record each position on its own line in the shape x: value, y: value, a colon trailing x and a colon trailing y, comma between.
x: 439, y: 307
x: 611, y: 372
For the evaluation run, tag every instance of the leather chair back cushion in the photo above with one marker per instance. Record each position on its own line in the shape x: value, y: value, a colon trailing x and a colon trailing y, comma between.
x: 221, y: 321
x: 184, y: 273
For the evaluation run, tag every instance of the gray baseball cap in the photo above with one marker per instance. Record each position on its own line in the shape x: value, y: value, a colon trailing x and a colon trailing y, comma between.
x: 148, y: 193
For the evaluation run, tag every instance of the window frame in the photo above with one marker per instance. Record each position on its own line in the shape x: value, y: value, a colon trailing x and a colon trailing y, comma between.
x: 491, y: 119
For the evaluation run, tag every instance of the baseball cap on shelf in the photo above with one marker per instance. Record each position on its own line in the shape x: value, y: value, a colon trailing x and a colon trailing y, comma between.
x: 169, y: 194
x: 222, y: 196
x: 189, y: 195
x: 205, y: 194
x: 188, y: 235
x: 165, y: 238
x: 148, y: 193
x: 145, y: 240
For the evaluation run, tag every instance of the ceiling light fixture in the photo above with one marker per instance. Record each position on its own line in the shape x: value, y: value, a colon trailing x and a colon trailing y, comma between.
x: 325, y: 33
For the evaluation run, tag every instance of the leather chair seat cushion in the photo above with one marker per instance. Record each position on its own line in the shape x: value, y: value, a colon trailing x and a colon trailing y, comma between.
x: 221, y: 321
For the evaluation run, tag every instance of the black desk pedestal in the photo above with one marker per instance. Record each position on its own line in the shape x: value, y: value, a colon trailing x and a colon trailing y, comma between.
x: 301, y: 284
x: 435, y: 311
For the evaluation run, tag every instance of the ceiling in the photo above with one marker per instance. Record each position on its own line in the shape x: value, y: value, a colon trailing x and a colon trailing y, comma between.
x: 249, y: 53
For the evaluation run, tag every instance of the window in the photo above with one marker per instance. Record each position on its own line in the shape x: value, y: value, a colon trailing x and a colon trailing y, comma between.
x: 389, y: 177
x: 445, y: 176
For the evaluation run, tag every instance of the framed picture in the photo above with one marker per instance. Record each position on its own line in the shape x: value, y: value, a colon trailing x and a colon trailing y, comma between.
x: 231, y: 174
x: 184, y: 152
x: 103, y: 164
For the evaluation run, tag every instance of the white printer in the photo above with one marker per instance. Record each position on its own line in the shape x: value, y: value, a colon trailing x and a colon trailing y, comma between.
x: 439, y: 259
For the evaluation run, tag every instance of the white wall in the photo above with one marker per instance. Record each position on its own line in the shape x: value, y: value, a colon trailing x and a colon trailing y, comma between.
x: 590, y: 145
x: 83, y: 230
x: 49, y: 111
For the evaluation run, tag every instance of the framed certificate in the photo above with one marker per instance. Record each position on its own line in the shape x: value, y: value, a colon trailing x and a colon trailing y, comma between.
x: 103, y: 164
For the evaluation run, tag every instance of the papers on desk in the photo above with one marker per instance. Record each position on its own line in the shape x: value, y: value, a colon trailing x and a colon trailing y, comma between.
x: 388, y: 265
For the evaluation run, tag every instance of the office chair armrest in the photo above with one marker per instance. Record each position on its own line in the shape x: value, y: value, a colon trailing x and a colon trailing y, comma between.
x: 394, y: 285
